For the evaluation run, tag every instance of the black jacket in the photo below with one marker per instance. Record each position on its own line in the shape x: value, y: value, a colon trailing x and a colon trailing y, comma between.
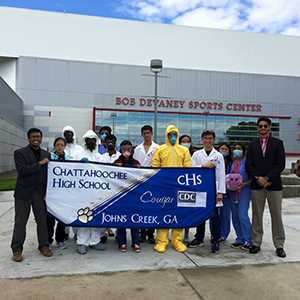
x: 270, y: 165
x: 30, y: 175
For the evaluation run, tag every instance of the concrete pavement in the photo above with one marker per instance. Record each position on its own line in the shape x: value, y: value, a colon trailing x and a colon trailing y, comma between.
x: 197, y: 274
x: 68, y: 262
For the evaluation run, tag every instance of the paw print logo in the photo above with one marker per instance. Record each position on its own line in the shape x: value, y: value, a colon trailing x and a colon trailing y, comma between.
x: 85, y: 215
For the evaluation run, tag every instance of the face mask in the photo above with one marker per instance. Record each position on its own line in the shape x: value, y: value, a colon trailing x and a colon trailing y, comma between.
x: 173, y: 139
x: 237, y: 153
x: 187, y: 145
x: 126, y: 154
x: 103, y: 136
x: 225, y: 154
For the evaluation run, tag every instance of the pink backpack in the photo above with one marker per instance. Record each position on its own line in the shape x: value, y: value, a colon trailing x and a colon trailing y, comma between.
x: 233, y: 181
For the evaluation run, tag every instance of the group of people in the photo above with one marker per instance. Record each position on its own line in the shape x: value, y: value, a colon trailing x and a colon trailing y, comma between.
x: 241, y: 177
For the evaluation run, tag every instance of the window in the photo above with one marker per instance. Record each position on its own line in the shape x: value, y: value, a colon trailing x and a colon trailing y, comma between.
x: 127, y: 125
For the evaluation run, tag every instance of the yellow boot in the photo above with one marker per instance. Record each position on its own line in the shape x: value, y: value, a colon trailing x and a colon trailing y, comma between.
x: 177, y: 243
x: 162, y: 240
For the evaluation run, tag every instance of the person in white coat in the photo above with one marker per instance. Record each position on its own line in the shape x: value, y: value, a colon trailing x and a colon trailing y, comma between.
x: 90, y: 237
x: 143, y: 154
x: 209, y: 157
x: 72, y: 150
x: 144, y: 151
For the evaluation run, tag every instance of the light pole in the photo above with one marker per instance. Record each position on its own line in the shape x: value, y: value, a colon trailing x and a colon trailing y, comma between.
x: 113, y: 115
x: 156, y: 66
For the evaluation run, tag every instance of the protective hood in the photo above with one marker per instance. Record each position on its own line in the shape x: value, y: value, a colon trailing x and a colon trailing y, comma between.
x: 69, y: 128
x: 169, y: 129
x: 92, y: 135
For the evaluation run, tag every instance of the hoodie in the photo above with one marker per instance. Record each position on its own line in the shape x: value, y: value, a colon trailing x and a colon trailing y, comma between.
x: 93, y: 156
x: 73, y: 150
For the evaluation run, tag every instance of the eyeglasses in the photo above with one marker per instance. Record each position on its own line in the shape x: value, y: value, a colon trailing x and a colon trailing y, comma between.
x: 263, y: 126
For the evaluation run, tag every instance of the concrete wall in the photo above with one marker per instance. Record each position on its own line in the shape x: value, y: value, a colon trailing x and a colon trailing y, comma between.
x: 12, y: 134
x: 11, y: 138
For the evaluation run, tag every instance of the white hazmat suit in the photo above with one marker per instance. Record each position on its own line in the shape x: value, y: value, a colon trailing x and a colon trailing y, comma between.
x: 72, y: 150
x: 90, y: 236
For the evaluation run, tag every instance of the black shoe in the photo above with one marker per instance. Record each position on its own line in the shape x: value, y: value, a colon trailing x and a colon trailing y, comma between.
x: 280, y: 252
x: 195, y: 243
x: 151, y: 240
x: 103, y: 239
x: 236, y: 245
x: 245, y: 247
x: 254, y: 249
x: 215, y: 247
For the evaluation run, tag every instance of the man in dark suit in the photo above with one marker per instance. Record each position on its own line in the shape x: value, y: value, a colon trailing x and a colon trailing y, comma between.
x: 31, y: 164
x: 264, y: 163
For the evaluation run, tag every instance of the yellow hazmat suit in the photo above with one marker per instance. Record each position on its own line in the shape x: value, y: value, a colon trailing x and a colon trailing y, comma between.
x: 168, y: 155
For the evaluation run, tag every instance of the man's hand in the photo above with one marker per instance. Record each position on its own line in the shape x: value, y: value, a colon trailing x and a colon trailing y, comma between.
x: 267, y: 184
x: 209, y: 165
x: 219, y: 200
x: 43, y: 161
x: 263, y: 181
x: 219, y: 197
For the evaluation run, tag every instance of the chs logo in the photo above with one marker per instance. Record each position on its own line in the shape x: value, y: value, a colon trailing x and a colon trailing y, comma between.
x: 186, y: 197
x: 189, y: 179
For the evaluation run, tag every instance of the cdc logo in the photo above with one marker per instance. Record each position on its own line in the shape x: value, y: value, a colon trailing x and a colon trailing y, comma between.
x: 186, y: 197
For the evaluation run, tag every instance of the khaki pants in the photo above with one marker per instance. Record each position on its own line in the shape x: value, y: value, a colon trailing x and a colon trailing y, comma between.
x: 274, y: 199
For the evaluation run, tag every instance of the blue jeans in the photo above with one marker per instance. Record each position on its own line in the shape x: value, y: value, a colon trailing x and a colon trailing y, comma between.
x: 225, y: 216
x: 122, y: 239
x: 240, y: 217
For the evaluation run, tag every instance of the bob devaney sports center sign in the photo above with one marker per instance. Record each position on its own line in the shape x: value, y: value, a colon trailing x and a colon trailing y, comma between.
x: 99, y: 195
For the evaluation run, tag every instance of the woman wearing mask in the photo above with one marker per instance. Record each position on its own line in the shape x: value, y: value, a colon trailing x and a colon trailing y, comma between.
x: 126, y: 160
x: 60, y: 155
x: 186, y: 141
x: 225, y: 214
x: 240, y: 200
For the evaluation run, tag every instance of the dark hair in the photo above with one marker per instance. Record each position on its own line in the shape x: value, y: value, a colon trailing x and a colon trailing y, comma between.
x: 208, y: 132
x: 146, y: 127
x: 184, y: 136
x: 265, y: 119
x: 125, y: 143
x: 59, y: 139
x: 242, y: 146
x: 34, y: 130
x: 228, y: 158
x: 111, y: 137
x: 224, y: 144
x: 106, y: 128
